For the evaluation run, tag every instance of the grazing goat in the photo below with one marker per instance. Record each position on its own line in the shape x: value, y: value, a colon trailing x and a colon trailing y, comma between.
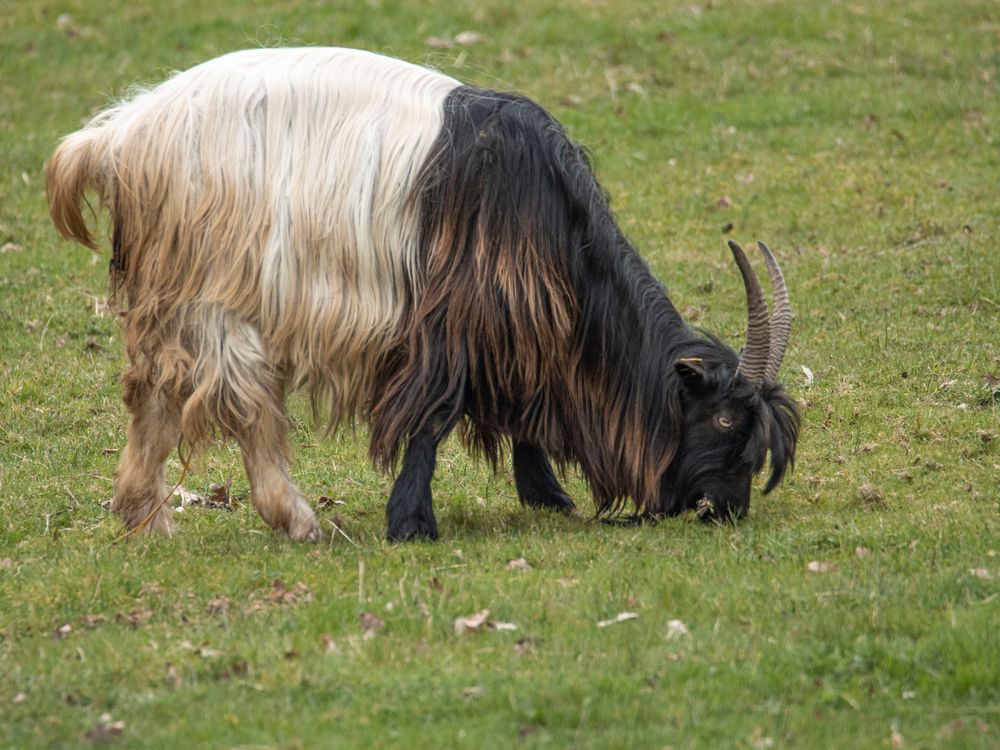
x: 419, y: 253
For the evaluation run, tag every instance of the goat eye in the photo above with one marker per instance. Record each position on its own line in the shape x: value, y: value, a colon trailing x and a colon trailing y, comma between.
x: 724, y: 421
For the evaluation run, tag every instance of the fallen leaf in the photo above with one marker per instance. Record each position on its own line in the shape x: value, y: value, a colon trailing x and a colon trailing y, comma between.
x: 820, y: 566
x: 370, y: 625
x: 523, y: 646
x: 238, y: 669
x: 187, y: 497
x: 472, y: 692
x: 7, y: 564
x: 472, y: 622
x: 279, y: 594
x: 106, y: 730
x: 92, y: 621
x: 435, y: 584
x: 519, y: 564
x: 980, y: 573
x: 217, y: 606
x: 723, y: 203
x: 620, y: 617
x: 207, y: 653
x: 759, y: 740
x: 218, y: 495
x: 171, y: 677
x: 20, y: 698
x: 810, y: 379
x: 861, y: 552
x: 328, y: 645
x: 152, y: 588
x: 135, y: 618
x: 468, y: 37
x: 437, y: 42
x: 896, y: 739
x: 676, y: 629
x: 10, y: 247
x: 327, y: 502
x: 62, y: 631
x: 870, y: 494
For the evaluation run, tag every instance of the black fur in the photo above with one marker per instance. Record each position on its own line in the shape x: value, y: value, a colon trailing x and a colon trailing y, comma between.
x: 534, y: 322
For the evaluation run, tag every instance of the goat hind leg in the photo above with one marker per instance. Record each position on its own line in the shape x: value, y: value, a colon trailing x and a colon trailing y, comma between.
x: 140, y: 486
x: 272, y: 490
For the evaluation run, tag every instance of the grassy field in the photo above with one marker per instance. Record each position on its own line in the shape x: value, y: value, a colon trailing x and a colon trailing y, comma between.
x: 858, y: 606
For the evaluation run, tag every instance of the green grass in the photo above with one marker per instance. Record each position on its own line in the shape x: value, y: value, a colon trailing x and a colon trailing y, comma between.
x: 858, y: 139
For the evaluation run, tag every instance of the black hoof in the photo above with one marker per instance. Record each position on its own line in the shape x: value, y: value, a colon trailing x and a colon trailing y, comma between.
x: 630, y: 521
x: 413, y: 530
x: 559, y: 502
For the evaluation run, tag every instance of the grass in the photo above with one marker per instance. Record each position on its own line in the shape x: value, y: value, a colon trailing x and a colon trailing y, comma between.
x: 858, y: 139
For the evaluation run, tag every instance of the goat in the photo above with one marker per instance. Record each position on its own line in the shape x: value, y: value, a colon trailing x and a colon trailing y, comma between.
x: 416, y: 252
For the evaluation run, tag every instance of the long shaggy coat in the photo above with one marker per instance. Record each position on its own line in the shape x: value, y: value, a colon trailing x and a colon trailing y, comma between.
x: 407, y: 249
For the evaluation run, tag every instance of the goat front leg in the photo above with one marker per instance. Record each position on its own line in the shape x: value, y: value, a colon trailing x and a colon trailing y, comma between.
x: 410, y: 513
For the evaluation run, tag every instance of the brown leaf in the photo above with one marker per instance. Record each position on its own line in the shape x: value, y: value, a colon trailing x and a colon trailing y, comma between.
x: 518, y: 564
x: 219, y: 493
x: 990, y: 380
x: 471, y: 622
x: 370, y: 625
x: 92, y: 621
x: 239, y: 670
x: 106, y: 731
x: 523, y: 646
x: 219, y: 605
x: 279, y: 594
x: 723, y: 203
x: 171, y: 677
x: 870, y: 494
x: 135, y: 618
x: 150, y: 588
x: 328, y: 645
x: 435, y: 584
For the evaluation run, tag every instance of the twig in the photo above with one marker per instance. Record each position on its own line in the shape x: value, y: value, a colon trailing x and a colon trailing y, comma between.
x: 341, y: 531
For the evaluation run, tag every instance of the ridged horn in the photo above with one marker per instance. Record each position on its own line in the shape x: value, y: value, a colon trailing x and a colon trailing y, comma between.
x: 757, y: 351
x: 781, y: 315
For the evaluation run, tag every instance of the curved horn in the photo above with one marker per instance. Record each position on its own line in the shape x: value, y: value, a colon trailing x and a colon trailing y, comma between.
x: 781, y: 315
x: 756, y: 353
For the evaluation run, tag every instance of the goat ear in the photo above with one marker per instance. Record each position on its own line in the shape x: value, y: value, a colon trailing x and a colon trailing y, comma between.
x: 692, y: 372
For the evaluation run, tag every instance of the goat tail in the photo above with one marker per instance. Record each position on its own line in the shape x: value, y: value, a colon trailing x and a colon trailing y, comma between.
x: 81, y: 163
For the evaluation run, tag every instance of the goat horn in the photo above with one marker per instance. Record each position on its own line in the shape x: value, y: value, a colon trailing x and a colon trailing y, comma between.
x: 756, y: 353
x: 781, y: 315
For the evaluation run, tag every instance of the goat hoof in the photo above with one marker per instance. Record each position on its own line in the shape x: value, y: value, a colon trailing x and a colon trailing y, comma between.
x: 305, y: 530
x: 413, y: 530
